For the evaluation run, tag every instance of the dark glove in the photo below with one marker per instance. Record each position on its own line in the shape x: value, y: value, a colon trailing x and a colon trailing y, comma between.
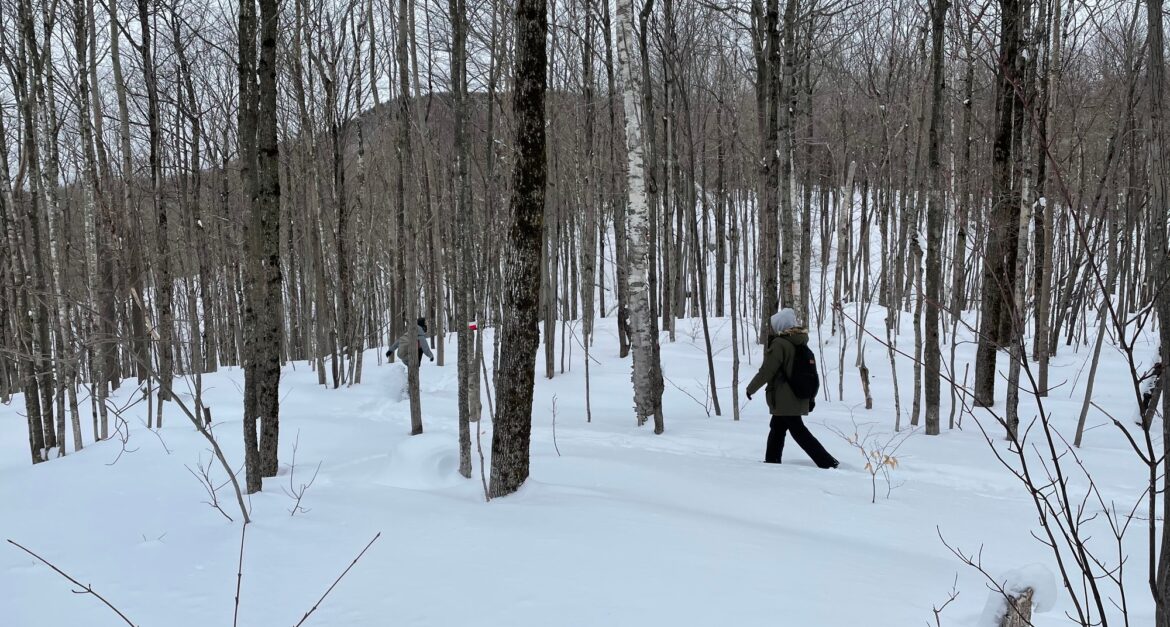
x: 432, y: 358
x: 749, y: 396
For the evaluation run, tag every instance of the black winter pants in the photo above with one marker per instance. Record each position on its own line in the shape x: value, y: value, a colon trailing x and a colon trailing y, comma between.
x: 781, y: 425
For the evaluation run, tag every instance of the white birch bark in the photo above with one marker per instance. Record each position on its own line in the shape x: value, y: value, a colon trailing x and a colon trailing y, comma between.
x: 1016, y: 350
x: 49, y: 171
x: 647, y: 371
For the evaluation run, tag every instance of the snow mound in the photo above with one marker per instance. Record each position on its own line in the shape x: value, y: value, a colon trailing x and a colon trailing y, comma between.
x: 1038, y: 577
x: 394, y: 382
x: 422, y: 462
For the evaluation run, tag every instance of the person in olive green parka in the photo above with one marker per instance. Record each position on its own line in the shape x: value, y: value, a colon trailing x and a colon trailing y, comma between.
x: 786, y: 408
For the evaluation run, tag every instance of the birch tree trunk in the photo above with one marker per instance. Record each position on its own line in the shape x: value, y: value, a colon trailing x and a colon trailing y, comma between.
x: 1016, y: 350
x: 24, y: 328
x: 647, y: 371
x: 44, y: 81
x: 964, y: 202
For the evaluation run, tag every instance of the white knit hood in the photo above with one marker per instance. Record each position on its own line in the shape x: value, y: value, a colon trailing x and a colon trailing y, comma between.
x: 783, y: 320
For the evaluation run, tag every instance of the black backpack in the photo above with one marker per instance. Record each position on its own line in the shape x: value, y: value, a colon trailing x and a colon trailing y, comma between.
x: 804, y: 380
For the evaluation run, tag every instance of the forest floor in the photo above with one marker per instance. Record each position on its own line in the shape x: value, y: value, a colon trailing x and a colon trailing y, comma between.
x: 620, y: 527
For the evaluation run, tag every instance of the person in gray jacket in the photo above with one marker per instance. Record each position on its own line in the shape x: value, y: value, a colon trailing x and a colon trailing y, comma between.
x: 423, y: 346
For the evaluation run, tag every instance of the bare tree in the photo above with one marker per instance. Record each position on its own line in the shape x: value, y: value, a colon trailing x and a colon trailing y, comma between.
x: 263, y: 318
x: 932, y: 355
x: 1159, y: 158
x: 407, y: 220
x: 999, y: 260
x: 464, y: 292
x: 647, y: 370
x: 521, y: 297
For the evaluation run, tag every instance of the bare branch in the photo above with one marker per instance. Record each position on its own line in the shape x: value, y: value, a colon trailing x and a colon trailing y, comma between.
x: 336, y: 581
x: 85, y: 589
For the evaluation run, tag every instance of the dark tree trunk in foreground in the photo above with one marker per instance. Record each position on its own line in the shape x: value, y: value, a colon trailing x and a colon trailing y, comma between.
x: 407, y: 219
x: 164, y: 286
x: 999, y: 261
x: 932, y: 355
x: 521, y: 297
x: 267, y: 221
x: 247, y: 142
x: 1159, y: 153
x: 770, y: 168
x: 464, y: 302
x: 260, y: 161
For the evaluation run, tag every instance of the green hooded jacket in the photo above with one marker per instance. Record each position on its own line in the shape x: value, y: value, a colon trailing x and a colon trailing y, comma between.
x: 778, y: 359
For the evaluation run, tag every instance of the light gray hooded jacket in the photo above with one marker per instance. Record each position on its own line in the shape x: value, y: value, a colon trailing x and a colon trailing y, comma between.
x: 422, y: 343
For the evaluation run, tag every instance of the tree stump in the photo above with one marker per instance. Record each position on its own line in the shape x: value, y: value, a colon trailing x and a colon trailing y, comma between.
x: 1019, y: 610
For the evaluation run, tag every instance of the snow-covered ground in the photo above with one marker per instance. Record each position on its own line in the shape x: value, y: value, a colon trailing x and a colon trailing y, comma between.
x: 622, y: 527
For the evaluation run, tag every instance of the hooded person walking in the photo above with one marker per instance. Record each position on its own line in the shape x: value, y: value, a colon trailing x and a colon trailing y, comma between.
x: 404, y: 341
x: 787, y: 408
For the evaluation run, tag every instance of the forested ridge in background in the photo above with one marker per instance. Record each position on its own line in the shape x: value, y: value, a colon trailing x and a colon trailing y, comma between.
x: 1006, y: 153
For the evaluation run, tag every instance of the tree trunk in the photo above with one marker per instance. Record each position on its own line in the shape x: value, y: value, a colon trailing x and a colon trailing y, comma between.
x: 19, y: 296
x: 1044, y: 216
x: 163, y: 284
x: 260, y: 173
x: 408, y: 234
x: 934, y: 219
x: 589, y: 229
x: 1159, y: 159
x: 617, y: 200
x: 521, y: 298
x: 647, y: 370
x: 770, y: 161
x: 786, y: 95
x: 964, y: 202
x: 464, y: 301
x: 267, y: 220
x: 1019, y: 610
x: 999, y: 260
x: 40, y: 344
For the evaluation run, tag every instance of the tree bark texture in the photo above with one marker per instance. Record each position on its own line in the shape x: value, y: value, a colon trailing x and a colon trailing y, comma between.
x: 647, y: 371
x: 934, y: 220
x: 521, y: 298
